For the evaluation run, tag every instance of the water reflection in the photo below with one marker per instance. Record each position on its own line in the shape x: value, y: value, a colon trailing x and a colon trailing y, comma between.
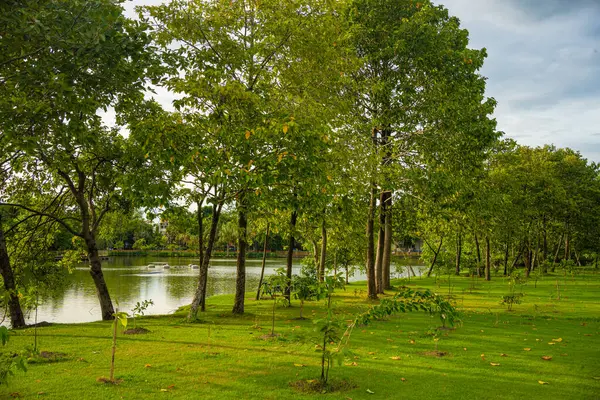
x: 129, y: 281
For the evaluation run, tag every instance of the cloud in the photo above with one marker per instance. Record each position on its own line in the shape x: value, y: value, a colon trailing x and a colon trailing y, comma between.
x: 543, y: 67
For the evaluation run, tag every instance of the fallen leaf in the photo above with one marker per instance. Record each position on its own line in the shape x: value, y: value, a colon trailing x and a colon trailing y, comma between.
x: 542, y: 383
x: 371, y: 353
x: 370, y: 391
x: 557, y: 340
x: 464, y: 348
x: 164, y: 390
x: 412, y: 341
x: 147, y: 366
x: 396, y: 358
x: 587, y: 334
x: 527, y: 349
x: 403, y: 380
x: 551, y: 343
x: 503, y: 355
x: 547, y: 358
x: 564, y: 354
x: 299, y: 365
x: 170, y: 386
x: 494, y: 364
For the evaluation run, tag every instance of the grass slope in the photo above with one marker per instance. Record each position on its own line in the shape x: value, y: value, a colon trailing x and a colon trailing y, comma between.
x: 178, y: 360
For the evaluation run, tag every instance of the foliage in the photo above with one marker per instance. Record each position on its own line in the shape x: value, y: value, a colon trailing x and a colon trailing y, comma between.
x: 139, y: 309
x: 9, y: 363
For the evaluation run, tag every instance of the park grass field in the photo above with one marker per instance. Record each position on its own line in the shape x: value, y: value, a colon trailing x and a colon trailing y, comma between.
x: 495, y: 354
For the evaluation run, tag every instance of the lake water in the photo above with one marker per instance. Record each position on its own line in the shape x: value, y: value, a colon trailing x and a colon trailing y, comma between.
x: 130, y: 280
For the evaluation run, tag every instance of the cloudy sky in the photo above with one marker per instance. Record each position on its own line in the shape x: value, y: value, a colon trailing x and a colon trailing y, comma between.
x: 543, y: 67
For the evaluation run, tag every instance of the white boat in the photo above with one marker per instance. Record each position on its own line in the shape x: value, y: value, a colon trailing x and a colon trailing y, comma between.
x: 159, y: 265
x: 194, y: 266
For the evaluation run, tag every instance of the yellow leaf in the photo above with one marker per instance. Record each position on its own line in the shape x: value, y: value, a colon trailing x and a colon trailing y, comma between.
x: 279, y: 157
x: 403, y: 379
x: 172, y: 159
x: 527, y: 349
x: 396, y: 358
x: 542, y: 383
x: 147, y: 155
x: 285, y: 128
x: 328, y: 177
x: 557, y: 340
x: 299, y: 365
x: 147, y: 366
x: 494, y: 364
x: 551, y: 343
x: 503, y: 355
x: 247, y: 135
x: 547, y: 358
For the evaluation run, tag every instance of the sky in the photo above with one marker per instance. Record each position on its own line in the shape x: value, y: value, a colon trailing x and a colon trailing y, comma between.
x: 543, y: 67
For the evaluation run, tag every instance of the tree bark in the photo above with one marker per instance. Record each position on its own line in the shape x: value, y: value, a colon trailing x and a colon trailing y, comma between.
x: 380, y: 244
x: 106, y: 305
x: 240, y: 281
x: 17, y: 318
x: 264, y: 260
x: 387, y: 243
x: 199, y: 301
x: 200, y: 233
x: 290, y: 256
x: 478, y: 256
x: 458, y: 252
x: 371, y: 286
x: 488, y: 272
x: 435, y: 255
x: 316, y: 258
x: 323, y: 250
x: 506, y: 257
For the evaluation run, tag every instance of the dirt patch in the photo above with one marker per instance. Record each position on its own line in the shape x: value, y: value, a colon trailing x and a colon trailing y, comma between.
x: 316, y: 386
x: 107, y: 381
x: 438, y: 354
x: 269, y: 336
x: 52, y: 355
x: 136, y: 331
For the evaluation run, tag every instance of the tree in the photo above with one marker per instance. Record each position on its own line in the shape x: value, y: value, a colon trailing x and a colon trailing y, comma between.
x: 422, y: 102
x: 64, y: 62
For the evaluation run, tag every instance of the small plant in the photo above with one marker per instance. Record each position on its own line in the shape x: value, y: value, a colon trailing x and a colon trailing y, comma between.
x: 9, y: 363
x: 511, y: 299
x: 139, y: 309
x: 338, y: 331
x: 119, y: 318
x: 274, y: 287
x: 305, y: 287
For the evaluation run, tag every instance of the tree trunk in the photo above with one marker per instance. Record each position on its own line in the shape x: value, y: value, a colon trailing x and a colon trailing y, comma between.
x: 106, y: 305
x: 545, y: 244
x: 240, y: 281
x: 200, y: 233
x: 506, y: 257
x: 316, y: 258
x: 387, y: 242
x: 488, y: 272
x: 435, y: 255
x: 478, y: 256
x: 323, y: 250
x: 17, y: 318
x: 371, y: 286
x: 380, y: 243
x: 290, y: 256
x: 458, y: 252
x: 264, y: 260
x: 555, y: 259
x: 199, y: 301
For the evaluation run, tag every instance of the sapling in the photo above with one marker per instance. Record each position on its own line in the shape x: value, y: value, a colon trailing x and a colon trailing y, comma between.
x: 119, y: 318
x: 8, y: 362
x: 273, y: 286
x: 139, y: 309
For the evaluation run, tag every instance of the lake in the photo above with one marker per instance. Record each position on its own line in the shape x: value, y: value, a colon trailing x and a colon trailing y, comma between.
x: 130, y: 280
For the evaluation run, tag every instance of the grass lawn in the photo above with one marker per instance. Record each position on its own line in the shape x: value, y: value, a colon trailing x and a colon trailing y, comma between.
x: 177, y: 360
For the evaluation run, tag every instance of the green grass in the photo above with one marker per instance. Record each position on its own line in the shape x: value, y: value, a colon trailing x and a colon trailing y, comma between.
x: 177, y: 360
